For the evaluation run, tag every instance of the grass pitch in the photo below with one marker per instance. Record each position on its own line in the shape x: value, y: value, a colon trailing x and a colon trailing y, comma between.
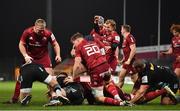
x: 39, y: 98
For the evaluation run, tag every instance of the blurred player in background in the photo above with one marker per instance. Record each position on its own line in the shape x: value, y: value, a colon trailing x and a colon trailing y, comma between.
x: 33, y: 46
x: 129, y: 51
x: 175, y: 49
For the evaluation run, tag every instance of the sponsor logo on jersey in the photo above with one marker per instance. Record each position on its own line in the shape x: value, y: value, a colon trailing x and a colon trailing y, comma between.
x: 44, y: 38
x: 30, y: 38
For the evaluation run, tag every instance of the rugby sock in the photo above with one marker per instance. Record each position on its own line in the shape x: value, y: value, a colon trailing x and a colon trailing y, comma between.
x: 57, y: 89
x: 16, y: 91
x: 111, y: 101
x: 111, y: 88
x: 153, y: 94
x: 121, y: 94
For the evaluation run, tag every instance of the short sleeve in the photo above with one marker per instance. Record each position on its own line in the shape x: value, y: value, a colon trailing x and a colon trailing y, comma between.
x: 131, y: 40
x: 24, y: 36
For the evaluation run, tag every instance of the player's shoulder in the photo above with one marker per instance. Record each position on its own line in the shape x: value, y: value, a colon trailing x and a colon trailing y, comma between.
x: 114, y: 33
x: 130, y: 36
x: 29, y: 30
x: 47, y: 32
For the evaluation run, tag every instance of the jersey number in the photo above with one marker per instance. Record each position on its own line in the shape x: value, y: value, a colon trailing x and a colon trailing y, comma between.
x: 92, y: 50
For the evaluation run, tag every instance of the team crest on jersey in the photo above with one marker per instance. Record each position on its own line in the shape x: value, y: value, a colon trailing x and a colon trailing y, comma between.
x: 44, y: 38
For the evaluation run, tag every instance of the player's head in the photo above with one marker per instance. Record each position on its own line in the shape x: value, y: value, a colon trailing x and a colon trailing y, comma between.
x: 39, y: 26
x: 175, y: 30
x: 125, y: 29
x: 139, y: 65
x: 61, y: 77
x: 77, y: 38
x: 110, y: 25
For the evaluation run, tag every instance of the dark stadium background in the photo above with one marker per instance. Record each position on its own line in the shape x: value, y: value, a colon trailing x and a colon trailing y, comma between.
x: 70, y: 16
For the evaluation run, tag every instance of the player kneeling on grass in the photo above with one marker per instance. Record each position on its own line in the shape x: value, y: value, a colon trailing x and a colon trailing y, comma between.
x: 34, y: 72
x: 154, y: 81
x: 70, y: 89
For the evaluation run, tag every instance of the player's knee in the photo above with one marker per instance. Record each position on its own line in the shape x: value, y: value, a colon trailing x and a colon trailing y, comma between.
x: 99, y: 99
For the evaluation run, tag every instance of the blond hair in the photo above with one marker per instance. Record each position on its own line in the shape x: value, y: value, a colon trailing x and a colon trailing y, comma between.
x: 40, y: 21
x: 111, y: 22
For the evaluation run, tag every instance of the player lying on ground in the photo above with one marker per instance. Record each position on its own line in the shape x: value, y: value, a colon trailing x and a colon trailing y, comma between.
x: 74, y: 91
x: 34, y: 72
x: 154, y: 81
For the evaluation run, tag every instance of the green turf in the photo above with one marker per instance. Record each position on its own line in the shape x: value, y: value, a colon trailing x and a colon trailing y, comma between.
x: 39, y: 98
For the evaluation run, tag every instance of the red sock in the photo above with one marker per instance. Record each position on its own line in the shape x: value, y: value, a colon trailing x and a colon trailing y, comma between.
x: 111, y: 88
x: 153, y: 94
x: 16, y: 91
x: 111, y: 101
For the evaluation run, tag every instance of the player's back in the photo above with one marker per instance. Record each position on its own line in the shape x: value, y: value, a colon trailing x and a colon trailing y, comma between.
x: 129, y: 40
x: 90, y: 53
x: 158, y: 74
x: 74, y: 92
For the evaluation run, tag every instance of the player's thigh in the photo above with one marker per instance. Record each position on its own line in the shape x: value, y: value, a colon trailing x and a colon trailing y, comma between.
x: 97, y: 91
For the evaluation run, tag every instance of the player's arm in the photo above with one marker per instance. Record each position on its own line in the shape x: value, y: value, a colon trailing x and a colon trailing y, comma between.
x: 76, y: 66
x: 132, y: 53
x: 168, y: 52
x: 22, y: 48
x: 56, y: 47
x: 116, y: 42
x: 57, y: 51
x: 140, y: 93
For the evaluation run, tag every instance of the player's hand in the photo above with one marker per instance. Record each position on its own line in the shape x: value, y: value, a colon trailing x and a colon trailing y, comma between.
x: 121, y: 61
x: 98, y: 20
x: 28, y: 59
x: 68, y: 79
x: 178, y: 58
x: 58, y: 59
x: 162, y: 53
x: 107, y: 48
x: 73, y: 52
x: 128, y: 62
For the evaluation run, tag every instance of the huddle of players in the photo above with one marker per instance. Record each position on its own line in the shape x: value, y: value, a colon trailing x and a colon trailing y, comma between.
x: 97, y: 54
